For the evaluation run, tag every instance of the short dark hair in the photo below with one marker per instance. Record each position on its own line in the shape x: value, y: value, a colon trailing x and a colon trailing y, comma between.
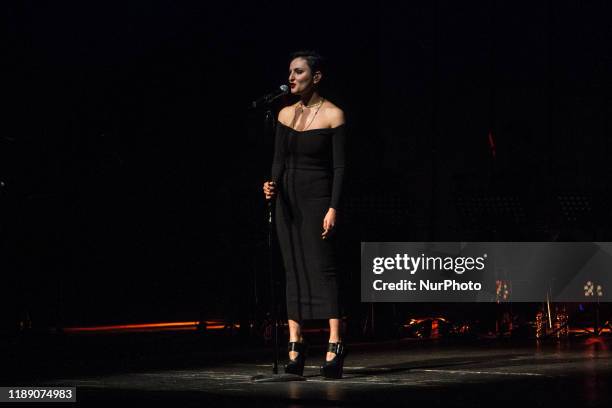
x: 315, y: 61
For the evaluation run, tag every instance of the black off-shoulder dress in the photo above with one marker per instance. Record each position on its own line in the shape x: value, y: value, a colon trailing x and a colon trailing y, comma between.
x: 308, y: 169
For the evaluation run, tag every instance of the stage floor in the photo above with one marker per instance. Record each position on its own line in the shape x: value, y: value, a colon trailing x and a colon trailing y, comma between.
x: 187, y: 370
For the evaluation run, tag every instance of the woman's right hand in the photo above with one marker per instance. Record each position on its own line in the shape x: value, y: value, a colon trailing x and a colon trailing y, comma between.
x: 269, y: 189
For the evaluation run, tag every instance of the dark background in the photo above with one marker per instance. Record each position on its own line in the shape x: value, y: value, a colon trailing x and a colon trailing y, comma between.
x: 132, y: 169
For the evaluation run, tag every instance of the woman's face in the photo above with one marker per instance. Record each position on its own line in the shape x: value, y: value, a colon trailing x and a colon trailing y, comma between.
x: 301, y: 77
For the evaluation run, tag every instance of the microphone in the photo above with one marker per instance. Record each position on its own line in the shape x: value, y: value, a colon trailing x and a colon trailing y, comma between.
x: 266, y: 99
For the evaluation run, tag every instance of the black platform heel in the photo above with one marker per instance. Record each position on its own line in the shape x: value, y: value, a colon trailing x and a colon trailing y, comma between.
x: 334, y: 367
x: 296, y: 366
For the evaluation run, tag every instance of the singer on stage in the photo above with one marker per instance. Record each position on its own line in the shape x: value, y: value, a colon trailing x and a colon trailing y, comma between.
x: 306, y: 181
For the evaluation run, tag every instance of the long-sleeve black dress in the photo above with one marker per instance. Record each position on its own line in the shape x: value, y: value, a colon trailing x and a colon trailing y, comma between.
x: 308, y: 169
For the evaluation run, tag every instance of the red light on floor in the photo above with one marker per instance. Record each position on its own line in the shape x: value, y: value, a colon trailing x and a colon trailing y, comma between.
x: 165, y: 326
x: 595, y: 340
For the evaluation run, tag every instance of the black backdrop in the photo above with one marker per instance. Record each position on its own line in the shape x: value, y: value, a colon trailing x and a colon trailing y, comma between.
x: 132, y: 170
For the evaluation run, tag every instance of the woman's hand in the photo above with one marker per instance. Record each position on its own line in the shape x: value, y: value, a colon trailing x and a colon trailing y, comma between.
x: 329, y: 222
x: 269, y: 189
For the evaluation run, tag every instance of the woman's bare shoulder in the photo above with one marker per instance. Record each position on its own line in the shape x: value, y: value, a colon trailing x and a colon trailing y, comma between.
x: 333, y: 114
x: 286, y: 114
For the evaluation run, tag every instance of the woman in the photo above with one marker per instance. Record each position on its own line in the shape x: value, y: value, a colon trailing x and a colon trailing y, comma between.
x: 307, y: 177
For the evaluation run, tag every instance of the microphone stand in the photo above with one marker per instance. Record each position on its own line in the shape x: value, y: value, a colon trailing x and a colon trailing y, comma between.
x: 269, y: 130
x: 270, y: 127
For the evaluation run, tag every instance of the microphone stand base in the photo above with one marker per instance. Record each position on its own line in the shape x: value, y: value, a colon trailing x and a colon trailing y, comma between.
x: 277, y: 378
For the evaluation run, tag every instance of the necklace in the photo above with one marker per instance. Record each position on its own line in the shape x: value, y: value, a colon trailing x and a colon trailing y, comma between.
x: 313, y: 105
x: 315, y: 114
